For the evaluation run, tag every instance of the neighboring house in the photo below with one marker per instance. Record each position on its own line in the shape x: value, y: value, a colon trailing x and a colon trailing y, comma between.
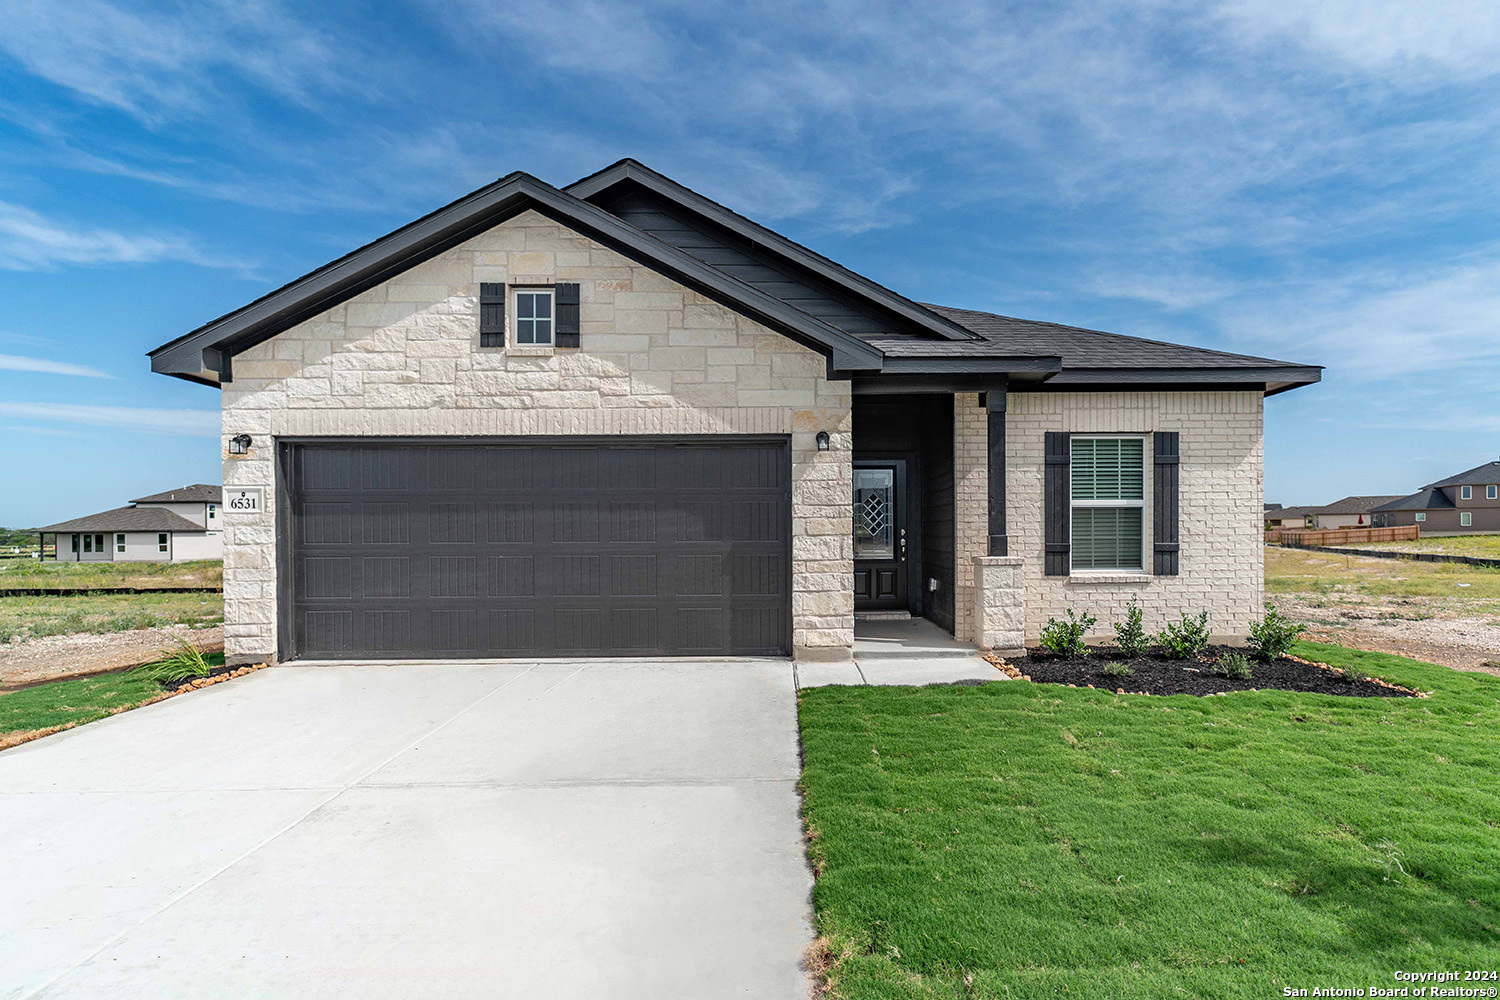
x: 1350, y: 512
x: 175, y: 526
x: 618, y: 418
x: 1469, y: 501
x: 1289, y: 517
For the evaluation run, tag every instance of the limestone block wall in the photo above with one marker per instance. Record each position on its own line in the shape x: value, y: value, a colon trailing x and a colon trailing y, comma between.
x: 1221, y: 493
x: 656, y: 358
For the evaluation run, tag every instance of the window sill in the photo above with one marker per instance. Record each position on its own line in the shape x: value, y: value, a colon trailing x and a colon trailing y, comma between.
x: 530, y: 350
x: 1085, y: 577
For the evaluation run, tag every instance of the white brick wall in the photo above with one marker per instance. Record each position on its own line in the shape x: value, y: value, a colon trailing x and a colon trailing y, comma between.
x: 971, y: 504
x: 1220, y: 500
x: 657, y: 358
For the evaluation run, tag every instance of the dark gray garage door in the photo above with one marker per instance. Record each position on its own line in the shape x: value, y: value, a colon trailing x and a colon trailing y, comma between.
x: 538, y: 548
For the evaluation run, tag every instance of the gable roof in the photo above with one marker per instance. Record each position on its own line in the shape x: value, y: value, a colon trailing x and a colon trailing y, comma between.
x: 1429, y: 498
x: 868, y: 332
x: 128, y: 519
x: 204, y: 354
x: 1355, y: 505
x: 196, y: 493
x: 1484, y: 474
x: 627, y: 173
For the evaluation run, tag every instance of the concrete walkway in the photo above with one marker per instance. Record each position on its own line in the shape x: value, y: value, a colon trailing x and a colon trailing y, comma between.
x: 911, y: 651
x: 564, y: 830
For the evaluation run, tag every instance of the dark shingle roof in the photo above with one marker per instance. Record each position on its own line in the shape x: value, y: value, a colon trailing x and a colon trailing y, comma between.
x: 128, y: 519
x: 1079, y: 347
x: 1485, y: 474
x: 1427, y: 499
x: 1285, y: 513
x: 1355, y: 505
x: 196, y: 493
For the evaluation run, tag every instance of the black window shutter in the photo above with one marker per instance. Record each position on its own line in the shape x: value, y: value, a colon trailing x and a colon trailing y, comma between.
x: 566, y: 297
x: 491, y: 314
x: 1057, y: 503
x: 1164, y: 489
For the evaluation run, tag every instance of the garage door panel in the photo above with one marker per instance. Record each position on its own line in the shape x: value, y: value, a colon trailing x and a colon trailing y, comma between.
x: 560, y: 548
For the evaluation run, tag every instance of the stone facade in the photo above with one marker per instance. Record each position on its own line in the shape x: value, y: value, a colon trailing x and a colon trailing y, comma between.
x: 1221, y: 491
x: 656, y: 358
x: 999, y: 603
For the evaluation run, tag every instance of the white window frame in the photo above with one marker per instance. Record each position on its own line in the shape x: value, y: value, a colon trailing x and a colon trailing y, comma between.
x: 119, y: 541
x: 515, y: 311
x: 213, y: 511
x: 161, y: 541
x: 1139, y: 504
x: 1466, y: 519
x: 1490, y: 491
x: 1421, y: 515
x: 1466, y: 493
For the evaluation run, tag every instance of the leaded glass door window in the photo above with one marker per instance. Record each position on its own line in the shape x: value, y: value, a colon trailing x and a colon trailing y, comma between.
x: 874, y: 513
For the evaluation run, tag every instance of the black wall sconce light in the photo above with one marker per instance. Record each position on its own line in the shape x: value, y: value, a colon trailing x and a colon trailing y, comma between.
x: 240, y: 444
x: 822, y: 440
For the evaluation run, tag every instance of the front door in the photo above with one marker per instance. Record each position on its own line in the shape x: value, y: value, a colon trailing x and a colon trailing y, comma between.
x: 880, y: 536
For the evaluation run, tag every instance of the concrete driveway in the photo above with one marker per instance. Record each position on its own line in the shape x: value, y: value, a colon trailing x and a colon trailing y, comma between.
x: 594, y: 830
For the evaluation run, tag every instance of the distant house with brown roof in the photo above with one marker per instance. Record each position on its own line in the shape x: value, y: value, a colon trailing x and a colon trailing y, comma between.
x: 175, y: 526
x: 1463, y: 503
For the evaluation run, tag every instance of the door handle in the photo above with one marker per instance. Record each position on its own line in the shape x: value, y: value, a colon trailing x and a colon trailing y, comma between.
x: 903, y: 545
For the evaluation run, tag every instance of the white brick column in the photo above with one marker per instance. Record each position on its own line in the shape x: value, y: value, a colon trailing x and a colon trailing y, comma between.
x: 971, y: 504
x: 999, y: 603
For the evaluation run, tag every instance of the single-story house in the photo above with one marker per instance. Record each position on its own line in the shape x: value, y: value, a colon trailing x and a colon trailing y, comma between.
x: 1289, y: 517
x: 1467, y: 502
x: 1350, y: 512
x: 176, y: 526
x: 619, y: 418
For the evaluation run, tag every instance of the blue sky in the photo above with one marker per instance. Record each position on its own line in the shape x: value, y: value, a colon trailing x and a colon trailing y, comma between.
x: 1312, y: 182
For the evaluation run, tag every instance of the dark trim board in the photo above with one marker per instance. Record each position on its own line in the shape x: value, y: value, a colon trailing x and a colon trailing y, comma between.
x: 562, y: 546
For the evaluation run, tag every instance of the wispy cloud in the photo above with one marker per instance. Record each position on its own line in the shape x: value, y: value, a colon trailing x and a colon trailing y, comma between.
x: 30, y: 241
x: 20, y: 363
x: 179, y: 58
x: 192, y: 423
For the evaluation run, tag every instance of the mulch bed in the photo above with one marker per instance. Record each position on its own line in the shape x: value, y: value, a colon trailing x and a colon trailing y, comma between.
x: 1159, y: 675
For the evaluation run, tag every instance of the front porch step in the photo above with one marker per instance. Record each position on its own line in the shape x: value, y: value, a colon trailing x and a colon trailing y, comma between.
x: 882, y: 616
x: 908, y: 639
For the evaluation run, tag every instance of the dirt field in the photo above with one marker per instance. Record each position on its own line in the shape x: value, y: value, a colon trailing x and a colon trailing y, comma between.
x: 1439, y: 612
x: 1482, y: 546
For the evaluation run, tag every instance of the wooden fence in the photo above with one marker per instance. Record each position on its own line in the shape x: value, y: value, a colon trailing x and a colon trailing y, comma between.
x: 1343, y: 536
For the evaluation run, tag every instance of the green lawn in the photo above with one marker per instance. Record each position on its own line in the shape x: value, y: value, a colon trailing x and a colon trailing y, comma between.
x: 32, y: 573
x: 34, y: 617
x: 1024, y: 840
x: 71, y: 703
x: 1483, y: 546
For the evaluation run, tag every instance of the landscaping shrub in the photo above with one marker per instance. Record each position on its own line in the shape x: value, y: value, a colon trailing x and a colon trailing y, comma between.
x: 1114, y: 668
x: 1353, y: 675
x: 1235, y: 666
x: 184, y: 664
x: 1066, y: 638
x: 1273, y: 635
x: 1130, y: 634
x: 1185, y: 638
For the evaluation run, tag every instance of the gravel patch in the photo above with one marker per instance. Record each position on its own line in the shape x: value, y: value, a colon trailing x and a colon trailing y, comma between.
x: 1402, y: 627
x: 60, y: 656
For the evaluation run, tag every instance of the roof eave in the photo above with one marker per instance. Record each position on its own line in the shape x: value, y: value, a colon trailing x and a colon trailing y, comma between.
x: 1273, y: 380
